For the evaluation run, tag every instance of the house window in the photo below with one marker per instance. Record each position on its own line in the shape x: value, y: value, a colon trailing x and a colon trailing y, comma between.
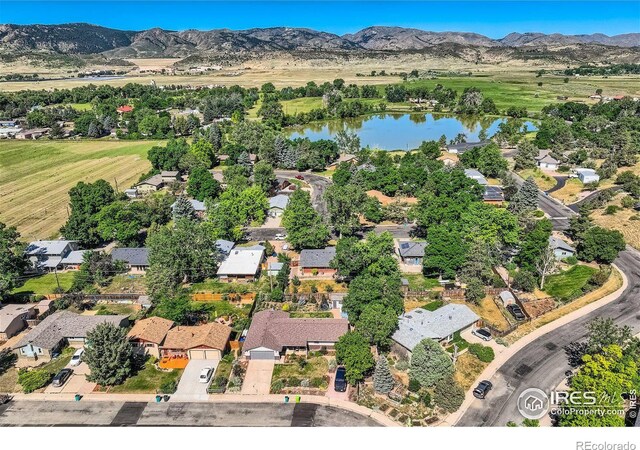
x: 39, y: 350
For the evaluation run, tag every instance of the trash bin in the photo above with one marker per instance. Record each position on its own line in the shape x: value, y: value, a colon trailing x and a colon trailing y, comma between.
x: 158, y: 398
x: 286, y: 399
x: 78, y: 397
x: 297, y: 399
x: 166, y: 398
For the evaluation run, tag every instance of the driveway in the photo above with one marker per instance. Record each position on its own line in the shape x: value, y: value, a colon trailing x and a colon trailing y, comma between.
x: 472, y: 339
x: 76, y: 384
x: 332, y: 393
x: 257, y: 380
x: 189, y: 387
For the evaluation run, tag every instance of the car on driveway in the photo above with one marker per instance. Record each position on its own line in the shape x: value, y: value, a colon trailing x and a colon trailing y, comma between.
x: 205, y: 374
x: 280, y: 237
x: 76, y: 359
x: 482, y: 333
x: 516, y: 312
x: 482, y: 389
x: 299, y: 177
x: 340, y: 384
x: 61, y: 377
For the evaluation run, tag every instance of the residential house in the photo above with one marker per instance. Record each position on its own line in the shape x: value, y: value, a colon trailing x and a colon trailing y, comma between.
x: 225, y: 246
x: 198, y: 206
x: 13, y: 319
x: 476, y: 175
x: 273, y: 333
x: 411, y: 252
x: 278, y: 204
x: 73, y: 260
x: 545, y: 161
x: 170, y: 176
x: 58, y: 330
x: 587, y: 175
x: 560, y: 248
x: 493, y: 195
x: 47, y: 256
x: 148, y: 335
x: 8, y: 132
x: 317, y: 262
x: 439, y: 325
x: 242, y: 264
x: 343, y: 158
x: 136, y: 260
x: 8, y: 123
x: 207, y: 341
x: 465, y: 146
x: 44, y: 308
x: 449, y: 159
x: 274, y: 268
x: 35, y: 133
x: 151, y: 184
x: 131, y: 193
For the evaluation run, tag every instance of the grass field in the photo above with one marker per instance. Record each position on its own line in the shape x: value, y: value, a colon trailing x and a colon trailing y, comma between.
x: 569, y: 193
x: 45, y: 284
x: 147, y: 381
x: 544, y: 181
x: 35, y: 177
x: 626, y: 221
x: 564, y: 285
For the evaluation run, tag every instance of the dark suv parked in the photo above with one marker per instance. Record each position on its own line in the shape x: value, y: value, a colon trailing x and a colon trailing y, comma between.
x: 482, y: 389
x: 516, y: 312
x: 61, y: 377
x: 340, y: 384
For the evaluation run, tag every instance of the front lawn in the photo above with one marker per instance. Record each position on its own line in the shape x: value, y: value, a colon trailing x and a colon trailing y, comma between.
x: 149, y: 380
x: 565, y: 285
x: 298, y: 368
x: 544, y: 181
x: 45, y: 284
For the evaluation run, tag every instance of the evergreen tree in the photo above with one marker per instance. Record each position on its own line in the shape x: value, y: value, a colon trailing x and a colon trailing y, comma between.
x: 430, y: 363
x: 110, y: 355
x: 245, y: 161
x: 382, y: 378
x: 183, y: 209
x: 526, y: 199
x: 448, y: 394
x: 525, y: 158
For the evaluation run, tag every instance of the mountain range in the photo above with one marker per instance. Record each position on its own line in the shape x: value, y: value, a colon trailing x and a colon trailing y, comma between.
x: 84, y: 39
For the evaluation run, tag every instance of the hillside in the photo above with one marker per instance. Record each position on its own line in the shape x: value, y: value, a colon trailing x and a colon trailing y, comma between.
x: 85, y: 39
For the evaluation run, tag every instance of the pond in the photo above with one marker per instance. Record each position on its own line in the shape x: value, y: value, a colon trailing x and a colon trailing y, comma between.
x: 403, y: 131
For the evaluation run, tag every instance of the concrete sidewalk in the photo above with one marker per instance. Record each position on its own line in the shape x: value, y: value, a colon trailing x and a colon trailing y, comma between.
x: 510, y: 351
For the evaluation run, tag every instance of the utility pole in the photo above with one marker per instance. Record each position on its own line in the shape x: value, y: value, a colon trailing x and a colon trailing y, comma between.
x: 55, y: 271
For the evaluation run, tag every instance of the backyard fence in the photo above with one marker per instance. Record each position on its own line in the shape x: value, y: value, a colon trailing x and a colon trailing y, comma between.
x: 244, y: 299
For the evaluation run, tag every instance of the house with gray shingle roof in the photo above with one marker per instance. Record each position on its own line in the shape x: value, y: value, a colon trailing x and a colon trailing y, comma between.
x: 47, y: 256
x: 546, y: 161
x: 560, y: 248
x: 58, y: 330
x: 411, y: 252
x: 225, y: 246
x: 278, y: 204
x: 439, y: 325
x: 476, y: 175
x: 135, y: 259
x: 317, y: 262
x: 273, y: 333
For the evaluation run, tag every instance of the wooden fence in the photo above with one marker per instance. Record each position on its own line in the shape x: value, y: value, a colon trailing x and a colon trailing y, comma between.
x: 243, y: 299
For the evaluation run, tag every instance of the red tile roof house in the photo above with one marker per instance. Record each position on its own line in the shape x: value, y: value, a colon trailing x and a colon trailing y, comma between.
x: 274, y: 333
x: 207, y: 341
x: 147, y: 335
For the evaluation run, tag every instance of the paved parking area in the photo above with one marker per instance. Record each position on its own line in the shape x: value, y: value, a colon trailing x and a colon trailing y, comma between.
x: 472, y: 339
x: 257, y: 380
x: 76, y: 384
x: 332, y: 393
x: 189, y: 387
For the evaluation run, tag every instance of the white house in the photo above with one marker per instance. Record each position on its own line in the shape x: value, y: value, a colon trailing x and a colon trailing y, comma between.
x: 546, y: 161
x: 561, y: 249
x: 242, y: 264
x: 587, y: 175
x: 278, y: 204
x: 476, y: 175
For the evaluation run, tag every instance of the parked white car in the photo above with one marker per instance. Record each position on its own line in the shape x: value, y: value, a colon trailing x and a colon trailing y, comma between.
x: 205, y: 374
x: 280, y: 237
x: 76, y: 359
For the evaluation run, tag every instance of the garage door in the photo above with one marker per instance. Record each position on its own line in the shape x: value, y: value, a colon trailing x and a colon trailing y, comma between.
x: 257, y: 354
x: 204, y: 354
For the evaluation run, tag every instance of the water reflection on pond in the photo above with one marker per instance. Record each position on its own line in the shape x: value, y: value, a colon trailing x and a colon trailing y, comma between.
x: 403, y: 131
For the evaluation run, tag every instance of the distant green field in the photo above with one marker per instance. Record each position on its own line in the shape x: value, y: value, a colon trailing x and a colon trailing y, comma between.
x: 35, y: 177
x: 565, y: 285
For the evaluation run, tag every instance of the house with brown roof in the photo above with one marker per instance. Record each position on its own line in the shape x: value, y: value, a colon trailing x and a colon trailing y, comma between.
x: 13, y: 319
x: 147, y: 335
x: 207, y: 341
x: 273, y: 333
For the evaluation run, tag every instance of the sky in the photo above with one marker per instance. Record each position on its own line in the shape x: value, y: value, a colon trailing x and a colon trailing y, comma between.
x: 494, y: 19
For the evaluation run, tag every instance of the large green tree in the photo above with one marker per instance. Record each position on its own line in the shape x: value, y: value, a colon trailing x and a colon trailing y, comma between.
x: 352, y: 350
x: 382, y: 379
x: 430, y: 363
x: 600, y: 245
x: 86, y: 200
x: 344, y: 204
x: 304, y: 225
x: 109, y: 355
x: 377, y: 323
x: 12, y: 262
x: 202, y: 185
x: 526, y: 199
x: 446, y: 252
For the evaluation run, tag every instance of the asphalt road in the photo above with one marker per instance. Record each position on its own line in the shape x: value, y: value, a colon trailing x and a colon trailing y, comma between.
x: 542, y: 363
x: 318, y: 185
x: 101, y: 413
x: 576, y: 206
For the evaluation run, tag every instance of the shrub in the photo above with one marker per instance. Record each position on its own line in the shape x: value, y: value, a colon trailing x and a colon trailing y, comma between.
x: 432, y: 306
x: 168, y: 387
x: 414, y: 385
x: 293, y: 382
x: 571, y: 260
x: 628, y: 202
x: 611, y: 210
x: 448, y: 394
x: 426, y: 399
x: 277, y: 386
x: 525, y: 281
x: 483, y: 353
x: 318, y: 382
x: 538, y: 213
x: 33, y: 379
x: 402, y: 365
